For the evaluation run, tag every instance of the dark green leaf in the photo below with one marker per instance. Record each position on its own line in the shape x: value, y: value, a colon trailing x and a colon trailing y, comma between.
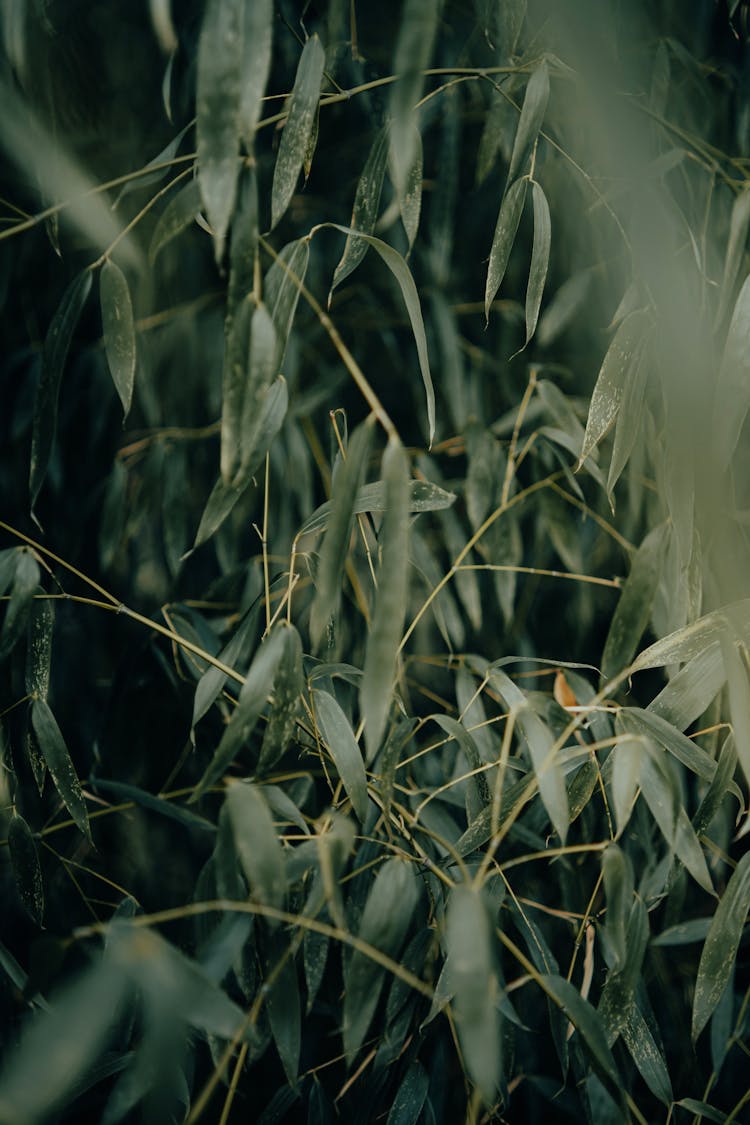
x: 261, y: 371
x: 119, y: 331
x: 410, y: 198
x: 342, y: 745
x: 39, y: 647
x: 508, y: 219
x: 281, y: 289
x: 711, y: 1113
x: 288, y: 685
x: 234, y: 653
x: 530, y: 122
x: 585, y: 1020
x: 258, y: 848
x: 423, y: 497
x: 365, y: 211
x: 414, y: 45
x: 25, y: 583
x: 179, y: 213
x: 57, y: 759
x: 299, y: 123
x: 539, y: 258
x: 410, y: 1097
x: 26, y: 869
x: 55, y: 353
x: 283, y: 1003
x: 717, y: 790
x: 633, y: 610
x: 124, y: 792
x: 647, y: 1055
x: 720, y: 948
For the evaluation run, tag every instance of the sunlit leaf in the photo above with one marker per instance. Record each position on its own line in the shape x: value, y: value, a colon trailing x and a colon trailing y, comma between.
x: 119, y: 331
x: 179, y: 213
x: 54, y: 355
x: 390, y: 599
x: 344, y: 749
x: 25, y: 862
x: 219, y: 87
x: 57, y: 759
x: 720, y: 948
x: 258, y: 848
x: 508, y: 219
x: 365, y: 210
x: 633, y: 610
x: 299, y: 123
x: 257, y: 34
x: 530, y: 122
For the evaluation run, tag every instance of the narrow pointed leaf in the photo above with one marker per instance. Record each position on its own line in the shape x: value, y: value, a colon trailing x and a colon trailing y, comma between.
x: 410, y: 1096
x: 55, y: 353
x: 647, y: 1055
x: 718, y: 788
x: 260, y: 376
x: 530, y: 122
x: 25, y: 583
x: 257, y: 34
x: 695, y: 639
x: 281, y: 289
x: 119, y: 331
x: 681, y: 747
x: 299, y: 123
x: 619, y: 365
x: 424, y: 496
x: 259, y: 850
x: 539, y: 258
x: 56, y: 756
x: 243, y: 248
x: 288, y: 685
x: 390, y: 599
x: 234, y: 653
x: 506, y: 228
x: 365, y: 210
x: 410, y: 199
x: 284, y: 1008
x: 39, y: 647
x: 335, y: 546
x: 721, y: 945
x: 738, y: 687
x: 731, y: 399
x: 414, y: 45
x: 179, y: 213
x: 738, y: 228
x: 585, y: 1020
x: 25, y: 862
x: 122, y: 791
x: 628, y: 424
x: 220, y: 49
x: 344, y: 749
x: 633, y: 611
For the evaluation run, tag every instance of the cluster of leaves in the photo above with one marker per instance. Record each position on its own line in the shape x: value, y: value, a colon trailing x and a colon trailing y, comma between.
x: 376, y: 731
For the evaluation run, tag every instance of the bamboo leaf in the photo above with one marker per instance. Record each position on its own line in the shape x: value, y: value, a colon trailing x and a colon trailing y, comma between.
x: 257, y: 846
x: 124, y: 792
x: 564, y: 306
x: 179, y: 213
x: 284, y: 1009
x: 26, y: 869
x: 219, y: 87
x: 260, y: 376
x: 335, y: 546
x: 234, y: 653
x: 119, y: 331
x: 738, y: 687
x: 738, y: 228
x: 54, y: 355
x: 732, y: 398
x: 628, y: 423
x: 57, y: 759
x: 647, y: 1055
x: 617, y: 874
x: 365, y: 210
x: 618, y: 366
x: 414, y: 45
x: 410, y: 1097
x: 25, y: 583
x: 390, y: 599
x: 539, y: 258
x: 410, y: 197
x: 474, y: 986
x: 719, y: 787
x: 243, y: 248
x: 344, y: 750
x: 39, y: 647
x: 633, y: 611
x: 424, y: 496
x: 678, y: 744
x: 296, y: 133
x: 530, y: 122
x: 721, y: 945
x: 257, y: 35
x: 281, y: 290
x: 402, y: 273
x: 288, y: 685
x: 385, y: 921
x: 695, y: 639
x: 585, y: 1020
x: 508, y: 219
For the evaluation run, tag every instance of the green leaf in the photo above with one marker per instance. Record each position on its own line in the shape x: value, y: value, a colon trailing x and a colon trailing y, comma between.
x: 119, y: 331
x: 695, y: 639
x: 401, y: 272
x: 334, y: 550
x: 39, y: 647
x: 26, y: 869
x: 281, y: 289
x: 57, y: 759
x: 124, y: 792
x: 365, y: 210
x: 234, y: 653
x: 564, y: 306
x: 179, y: 213
x: 684, y: 933
x: 731, y: 399
x: 678, y: 744
x: 633, y: 611
x: 260, y: 377
x: 628, y: 424
x: 283, y: 1003
x: 708, y: 1111
x: 257, y: 36
x: 252, y: 699
x: 414, y: 45
x: 735, y: 656
x: 691, y: 690
x: 626, y: 771
x: 56, y: 345
x: 219, y: 88
x: 473, y: 984
x: 25, y: 583
x: 342, y: 745
x: 410, y: 195
x: 258, y: 848
x: 530, y: 122
x: 385, y: 921
x: 721, y: 945
x: 410, y: 1096
x: 506, y: 228
x: 585, y: 1020
x: 719, y: 787
x: 299, y: 123
x: 647, y: 1055
x: 390, y: 599
x: 424, y: 496
x: 539, y: 258
x: 617, y: 874
x: 288, y: 685
x: 620, y: 363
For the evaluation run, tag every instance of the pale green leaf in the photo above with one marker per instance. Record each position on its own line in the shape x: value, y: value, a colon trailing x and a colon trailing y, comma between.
x: 681, y: 747
x: 365, y: 210
x: 424, y: 496
x: 119, y: 330
x: 559, y: 314
x: 721, y: 945
x: 390, y: 599
x: 410, y: 197
x: 339, y: 737
x: 261, y: 371
x: 633, y: 611
x: 257, y: 35
x: 738, y: 687
x: 179, y: 213
x: 57, y: 759
x: 539, y: 258
x: 626, y: 772
x: 234, y: 653
x: 738, y: 228
x: 414, y: 45
x: 299, y: 123
x: 691, y: 690
x: 629, y: 418
x: 732, y: 394
x: 530, y: 122
x: 26, y: 575
x: 618, y: 366
x: 258, y: 848
x: 719, y: 787
x: 508, y: 219
x: 26, y: 870
x: 281, y: 289
x: 695, y: 639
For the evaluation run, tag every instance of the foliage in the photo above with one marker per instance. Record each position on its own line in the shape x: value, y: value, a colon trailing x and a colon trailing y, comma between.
x: 376, y: 709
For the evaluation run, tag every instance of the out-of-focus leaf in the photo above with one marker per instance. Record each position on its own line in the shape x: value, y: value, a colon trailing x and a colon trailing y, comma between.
x: 530, y: 122
x: 562, y: 309
x: 219, y: 88
x: 243, y: 249
x: 258, y: 848
x: 161, y: 164
x: 720, y: 948
x: 365, y: 210
x: 410, y: 202
x: 619, y: 365
x: 628, y: 424
x: 119, y: 331
x: 719, y: 787
x: 539, y: 258
x: 288, y: 685
x: 501, y: 23
x: 410, y: 1097
x: 299, y: 123
x: 402, y: 273
x: 474, y: 986
x: 633, y: 610
x: 738, y: 687
x: 390, y: 599
x: 26, y: 869
x: 385, y: 921
x: 257, y: 35
x: 416, y: 37
x: 423, y: 497
x: 738, y: 227
x: 125, y: 792
x: 508, y: 219
x: 281, y: 289
x: 684, y: 933
x: 25, y: 582
x: 179, y: 213
x: 732, y: 398
x: 57, y: 759
x: 56, y: 345
x: 344, y: 749
x: 283, y: 1002
x: 336, y: 543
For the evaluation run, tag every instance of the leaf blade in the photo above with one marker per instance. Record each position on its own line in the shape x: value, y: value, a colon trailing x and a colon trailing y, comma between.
x: 119, y: 330
x: 298, y: 127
